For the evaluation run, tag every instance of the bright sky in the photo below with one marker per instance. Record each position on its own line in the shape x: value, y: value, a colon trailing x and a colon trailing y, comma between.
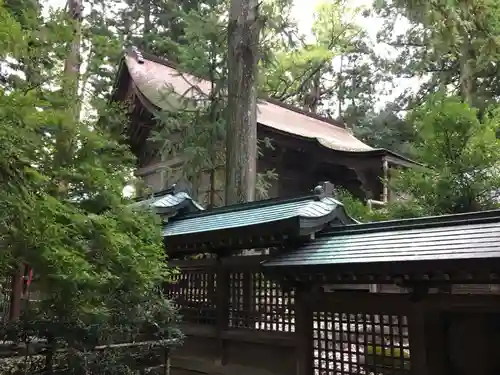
x: 304, y: 11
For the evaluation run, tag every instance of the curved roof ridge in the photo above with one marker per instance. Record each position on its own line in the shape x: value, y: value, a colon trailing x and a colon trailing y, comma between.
x: 152, y: 75
x: 309, y: 209
x: 169, y: 203
x: 320, y: 206
x: 316, y: 116
x: 139, y: 55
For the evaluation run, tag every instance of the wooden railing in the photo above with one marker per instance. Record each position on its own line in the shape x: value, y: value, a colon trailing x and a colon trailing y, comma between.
x: 232, y: 294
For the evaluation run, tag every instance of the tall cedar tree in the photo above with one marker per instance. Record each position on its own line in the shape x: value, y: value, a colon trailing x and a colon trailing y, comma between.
x: 192, y: 128
x: 193, y: 137
x: 241, y: 140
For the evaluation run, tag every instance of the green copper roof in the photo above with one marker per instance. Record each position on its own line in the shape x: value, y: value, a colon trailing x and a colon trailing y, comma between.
x: 471, y: 236
x: 308, y: 211
x: 169, y: 202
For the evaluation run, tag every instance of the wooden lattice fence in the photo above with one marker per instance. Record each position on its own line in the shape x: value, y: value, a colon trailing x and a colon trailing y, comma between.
x: 348, y: 344
x: 258, y: 303
x: 238, y: 297
x: 253, y: 301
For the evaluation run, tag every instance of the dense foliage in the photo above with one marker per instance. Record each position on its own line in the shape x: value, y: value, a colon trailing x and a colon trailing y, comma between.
x: 98, y: 265
x: 461, y: 157
x: 460, y: 154
x: 337, y: 69
x: 61, y: 204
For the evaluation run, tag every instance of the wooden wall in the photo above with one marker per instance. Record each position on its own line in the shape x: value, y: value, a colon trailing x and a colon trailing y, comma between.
x: 238, y: 321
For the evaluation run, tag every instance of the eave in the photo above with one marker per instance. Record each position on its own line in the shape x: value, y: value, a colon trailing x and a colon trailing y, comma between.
x: 253, y: 225
x: 461, y: 248
x: 337, y: 130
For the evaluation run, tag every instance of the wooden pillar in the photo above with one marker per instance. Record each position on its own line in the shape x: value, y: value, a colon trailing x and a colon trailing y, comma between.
x: 222, y: 298
x: 417, y: 333
x: 435, y: 342
x: 366, y: 185
x: 304, y: 331
x: 166, y: 362
x: 248, y: 299
x: 428, y: 348
x: 385, y: 181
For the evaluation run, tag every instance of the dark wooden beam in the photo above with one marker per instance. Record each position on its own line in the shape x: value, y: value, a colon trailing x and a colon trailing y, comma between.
x: 304, y: 330
x: 320, y: 153
x: 224, y: 246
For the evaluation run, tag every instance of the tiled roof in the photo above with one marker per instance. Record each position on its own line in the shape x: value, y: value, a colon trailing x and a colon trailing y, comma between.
x: 156, y: 81
x: 306, y: 210
x: 169, y: 202
x: 455, y: 237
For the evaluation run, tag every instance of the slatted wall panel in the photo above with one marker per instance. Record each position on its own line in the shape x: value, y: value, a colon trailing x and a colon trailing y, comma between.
x: 375, y: 344
x: 260, y: 304
x: 239, y: 314
x: 193, y: 292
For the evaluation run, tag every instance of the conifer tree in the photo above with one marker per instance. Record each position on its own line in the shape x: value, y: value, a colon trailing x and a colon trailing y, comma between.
x: 197, y: 134
x: 241, y: 139
x: 98, y: 266
x: 461, y: 155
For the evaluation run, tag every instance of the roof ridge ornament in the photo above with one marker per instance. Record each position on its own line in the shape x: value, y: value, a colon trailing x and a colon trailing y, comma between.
x: 324, y: 189
x: 138, y: 55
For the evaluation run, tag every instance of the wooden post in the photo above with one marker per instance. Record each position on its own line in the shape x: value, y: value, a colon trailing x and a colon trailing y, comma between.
x: 385, y: 182
x: 166, y: 365
x: 435, y: 343
x: 222, y: 298
x: 248, y: 299
x: 417, y: 335
x: 304, y: 331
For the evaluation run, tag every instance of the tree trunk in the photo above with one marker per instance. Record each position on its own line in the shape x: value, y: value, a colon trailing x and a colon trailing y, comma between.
x: 213, y: 118
x: 241, y: 146
x: 466, y: 62
x: 72, y: 63
x: 146, y: 8
x: 312, y: 98
x: 67, y: 129
x: 341, y: 91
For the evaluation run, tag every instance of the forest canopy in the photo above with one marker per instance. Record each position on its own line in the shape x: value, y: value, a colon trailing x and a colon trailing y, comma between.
x: 63, y: 169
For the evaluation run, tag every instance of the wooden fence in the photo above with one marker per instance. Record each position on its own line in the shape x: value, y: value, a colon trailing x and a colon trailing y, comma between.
x: 229, y: 307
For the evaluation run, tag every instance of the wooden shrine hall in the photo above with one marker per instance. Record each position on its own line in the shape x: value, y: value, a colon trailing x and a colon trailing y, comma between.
x: 306, y: 148
x: 320, y: 294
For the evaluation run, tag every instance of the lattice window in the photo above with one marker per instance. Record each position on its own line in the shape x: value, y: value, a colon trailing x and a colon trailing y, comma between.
x: 193, y: 293
x: 372, y: 344
x: 239, y: 313
x: 260, y: 304
x: 275, y: 306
